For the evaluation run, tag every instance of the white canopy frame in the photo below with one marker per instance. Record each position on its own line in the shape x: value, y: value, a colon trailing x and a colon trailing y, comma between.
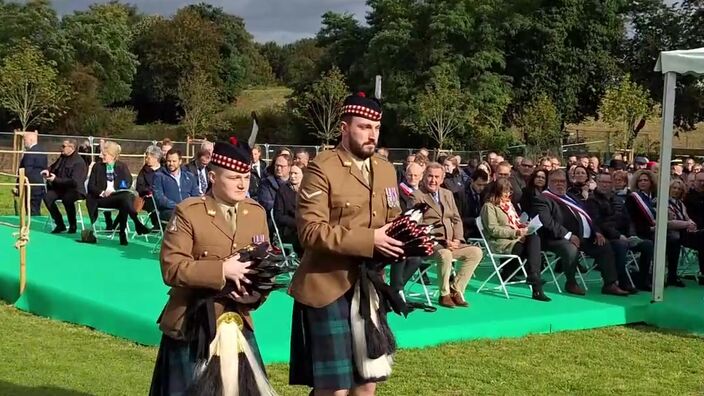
x: 670, y: 63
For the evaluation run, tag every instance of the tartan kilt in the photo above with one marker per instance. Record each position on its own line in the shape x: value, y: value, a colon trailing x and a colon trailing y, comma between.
x: 175, y: 365
x: 322, y: 347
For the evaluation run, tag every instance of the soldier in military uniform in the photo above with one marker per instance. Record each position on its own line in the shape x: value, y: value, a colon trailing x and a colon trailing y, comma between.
x: 196, y: 253
x: 347, y: 199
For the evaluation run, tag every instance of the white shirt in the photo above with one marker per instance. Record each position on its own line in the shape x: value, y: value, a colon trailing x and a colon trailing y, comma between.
x: 177, y: 176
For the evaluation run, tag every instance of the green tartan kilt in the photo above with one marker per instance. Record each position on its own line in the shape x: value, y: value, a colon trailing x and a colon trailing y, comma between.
x: 175, y: 365
x: 321, y: 346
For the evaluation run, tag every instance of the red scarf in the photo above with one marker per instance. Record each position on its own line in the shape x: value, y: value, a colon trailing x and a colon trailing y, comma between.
x: 513, y: 220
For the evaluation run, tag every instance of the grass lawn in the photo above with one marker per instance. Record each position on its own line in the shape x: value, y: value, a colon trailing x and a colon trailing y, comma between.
x: 42, y: 357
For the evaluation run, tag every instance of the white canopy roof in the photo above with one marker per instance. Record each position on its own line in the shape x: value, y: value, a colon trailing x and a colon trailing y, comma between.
x: 681, y: 61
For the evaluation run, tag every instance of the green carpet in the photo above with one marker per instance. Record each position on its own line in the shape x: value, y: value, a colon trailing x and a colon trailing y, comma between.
x: 119, y: 291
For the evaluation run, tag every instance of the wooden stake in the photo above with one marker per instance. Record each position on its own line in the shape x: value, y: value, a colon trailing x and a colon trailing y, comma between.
x: 23, y: 219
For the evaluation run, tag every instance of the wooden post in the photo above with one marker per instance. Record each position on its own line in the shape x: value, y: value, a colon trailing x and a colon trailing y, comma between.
x: 23, y: 219
x: 16, y: 147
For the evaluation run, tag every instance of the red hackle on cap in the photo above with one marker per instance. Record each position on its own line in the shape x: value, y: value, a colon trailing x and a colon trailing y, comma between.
x: 361, y: 94
x: 233, y: 140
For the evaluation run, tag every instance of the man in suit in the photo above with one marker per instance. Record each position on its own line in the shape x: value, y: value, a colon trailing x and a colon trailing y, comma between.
x: 66, y: 180
x: 33, y: 163
x: 444, y: 215
x: 567, y: 229
x: 347, y: 200
x: 197, y: 259
x: 172, y: 185
x: 258, y: 172
x: 616, y: 228
x: 469, y: 203
x: 199, y: 167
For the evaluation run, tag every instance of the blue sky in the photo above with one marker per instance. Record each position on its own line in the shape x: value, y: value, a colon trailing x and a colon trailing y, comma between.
x: 282, y: 21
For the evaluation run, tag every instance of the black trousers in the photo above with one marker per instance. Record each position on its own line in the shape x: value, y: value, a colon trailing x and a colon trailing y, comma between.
x: 69, y: 198
x: 402, y: 272
x: 124, y: 202
x: 604, y: 259
x: 529, y: 249
x: 567, y: 253
x: 692, y: 240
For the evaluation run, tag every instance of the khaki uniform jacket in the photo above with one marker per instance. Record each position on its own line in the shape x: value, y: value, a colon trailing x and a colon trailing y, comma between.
x: 446, y: 219
x: 196, y: 242
x: 337, y: 214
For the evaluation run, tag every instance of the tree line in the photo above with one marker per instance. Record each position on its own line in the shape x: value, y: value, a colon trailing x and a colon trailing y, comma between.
x: 456, y: 73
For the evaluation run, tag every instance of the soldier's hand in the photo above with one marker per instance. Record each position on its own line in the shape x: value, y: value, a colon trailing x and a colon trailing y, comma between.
x: 385, y: 244
x: 236, y: 270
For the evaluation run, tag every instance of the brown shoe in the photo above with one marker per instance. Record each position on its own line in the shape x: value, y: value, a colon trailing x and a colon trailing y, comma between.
x: 614, y: 290
x: 446, y: 301
x: 573, y: 288
x: 458, y: 299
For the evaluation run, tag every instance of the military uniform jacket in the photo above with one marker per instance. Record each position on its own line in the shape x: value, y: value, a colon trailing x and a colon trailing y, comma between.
x: 337, y: 215
x: 196, y: 242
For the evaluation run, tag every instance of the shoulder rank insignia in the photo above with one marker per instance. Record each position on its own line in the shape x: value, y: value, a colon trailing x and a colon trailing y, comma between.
x: 312, y: 195
x: 211, y: 212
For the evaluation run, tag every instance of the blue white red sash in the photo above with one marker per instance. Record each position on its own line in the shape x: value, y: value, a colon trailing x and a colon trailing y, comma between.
x: 645, y: 207
x: 405, y: 189
x: 572, y: 204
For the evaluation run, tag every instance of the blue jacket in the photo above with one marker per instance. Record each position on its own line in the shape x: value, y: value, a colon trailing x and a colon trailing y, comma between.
x: 166, y: 191
x: 267, y: 192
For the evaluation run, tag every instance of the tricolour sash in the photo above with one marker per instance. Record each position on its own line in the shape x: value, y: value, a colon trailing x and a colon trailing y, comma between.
x: 644, y: 207
x: 570, y: 204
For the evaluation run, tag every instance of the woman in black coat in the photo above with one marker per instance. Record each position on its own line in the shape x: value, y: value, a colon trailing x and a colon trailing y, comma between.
x: 109, y: 180
x: 285, y: 209
x: 534, y: 189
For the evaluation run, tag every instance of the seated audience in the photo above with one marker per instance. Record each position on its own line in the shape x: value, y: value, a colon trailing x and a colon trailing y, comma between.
x: 285, y: 208
x: 520, y: 176
x: 145, y: 182
x: 682, y: 231
x: 65, y: 180
x: 108, y: 188
x: 507, y: 235
x: 469, y: 203
x: 200, y: 166
x: 616, y: 227
x: 443, y: 213
x: 172, y: 185
x: 567, y: 229
x: 278, y: 175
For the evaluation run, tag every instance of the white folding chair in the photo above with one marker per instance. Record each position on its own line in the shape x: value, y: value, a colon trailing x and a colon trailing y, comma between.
x: 290, y: 257
x: 551, y: 261
x: 499, y: 261
x: 417, y: 278
x: 79, y: 214
x: 689, y: 263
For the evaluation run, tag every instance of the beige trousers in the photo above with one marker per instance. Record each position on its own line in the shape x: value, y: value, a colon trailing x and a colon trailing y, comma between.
x: 469, y: 258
